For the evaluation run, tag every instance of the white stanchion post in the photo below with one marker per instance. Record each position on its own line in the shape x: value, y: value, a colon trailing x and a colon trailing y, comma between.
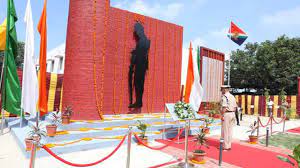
x: 128, y: 147
x: 284, y: 116
x: 33, y: 150
x: 271, y: 123
x: 186, y: 157
x: 2, y: 121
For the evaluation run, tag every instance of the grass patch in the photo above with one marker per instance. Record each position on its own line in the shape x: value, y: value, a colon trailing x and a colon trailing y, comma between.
x: 287, y: 141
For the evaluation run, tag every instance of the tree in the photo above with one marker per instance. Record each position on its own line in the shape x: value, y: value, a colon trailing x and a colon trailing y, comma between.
x: 270, y: 64
x: 19, y: 58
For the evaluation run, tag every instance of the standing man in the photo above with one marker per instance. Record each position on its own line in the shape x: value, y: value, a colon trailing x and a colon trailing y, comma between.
x: 228, y: 108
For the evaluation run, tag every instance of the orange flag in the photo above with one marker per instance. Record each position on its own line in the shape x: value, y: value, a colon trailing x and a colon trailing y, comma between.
x: 189, y: 77
x: 42, y: 28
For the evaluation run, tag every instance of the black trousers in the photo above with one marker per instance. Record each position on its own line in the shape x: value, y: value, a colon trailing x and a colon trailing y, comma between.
x: 237, y: 117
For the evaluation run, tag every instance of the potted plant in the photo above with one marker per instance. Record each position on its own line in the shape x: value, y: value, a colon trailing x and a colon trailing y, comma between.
x: 66, y: 115
x: 295, y: 156
x: 142, y: 127
x: 215, y: 110
x: 288, y: 113
x: 207, y: 122
x: 211, y: 113
x: 55, y: 121
x: 199, y: 154
x: 35, y: 133
x: 253, y: 128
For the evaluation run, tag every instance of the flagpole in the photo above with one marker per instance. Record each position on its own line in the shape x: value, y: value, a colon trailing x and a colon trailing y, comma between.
x: 2, y: 72
x: 2, y: 111
x: 229, y: 70
x: 228, y: 80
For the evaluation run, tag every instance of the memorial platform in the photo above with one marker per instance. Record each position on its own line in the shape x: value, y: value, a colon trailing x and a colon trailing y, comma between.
x: 81, y: 135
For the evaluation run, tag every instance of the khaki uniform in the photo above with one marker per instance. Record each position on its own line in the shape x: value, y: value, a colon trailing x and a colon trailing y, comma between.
x: 228, y: 101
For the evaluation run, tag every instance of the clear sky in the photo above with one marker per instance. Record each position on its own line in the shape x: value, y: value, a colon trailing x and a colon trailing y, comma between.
x: 205, y: 22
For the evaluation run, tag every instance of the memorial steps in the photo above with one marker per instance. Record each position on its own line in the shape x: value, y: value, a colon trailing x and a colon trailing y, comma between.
x: 83, y: 135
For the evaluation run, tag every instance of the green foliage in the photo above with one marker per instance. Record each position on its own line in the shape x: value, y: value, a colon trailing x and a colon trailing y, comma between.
x: 199, y: 151
x: 288, y: 112
x: 201, y: 139
x: 36, y: 130
x: 184, y: 110
x: 253, y: 128
x: 19, y: 59
x: 267, y: 94
x: 142, y: 127
x: 295, y: 156
x: 215, y: 108
x: 270, y: 64
x: 208, y: 121
x: 68, y: 111
x: 282, y: 95
x: 55, y: 118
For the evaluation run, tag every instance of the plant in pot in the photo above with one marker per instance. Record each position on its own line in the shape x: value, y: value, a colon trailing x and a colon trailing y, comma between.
x: 55, y: 121
x: 253, y: 128
x: 215, y: 109
x: 211, y: 113
x: 295, y: 156
x: 66, y: 115
x: 207, y: 123
x: 199, y: 154
x: 288, y: 113
x: 142, y: 127
x: 35, y: 133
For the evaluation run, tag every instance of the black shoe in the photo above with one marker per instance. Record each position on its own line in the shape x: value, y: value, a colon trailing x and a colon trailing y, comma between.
x: 135, y: 105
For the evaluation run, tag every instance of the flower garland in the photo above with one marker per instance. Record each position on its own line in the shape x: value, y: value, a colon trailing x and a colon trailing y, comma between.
x: 174, y: 59
x: 94, y: 54
x: 168, y: 79
x: 123, y: 64
x: 149, y: 66
x: 163, y: 66
x: 99, y: 104
x: 116, y: 58
x: 184, y: 111
x: 154, y: 71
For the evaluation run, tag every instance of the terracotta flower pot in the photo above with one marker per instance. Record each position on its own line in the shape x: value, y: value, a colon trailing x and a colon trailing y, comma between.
x: 144, y: 140
x: 253, y: 139
x: 206, y: 130
x: 65, y: 119
x: 28, y: 143
x: 51, y: 130
x: 199, y: 157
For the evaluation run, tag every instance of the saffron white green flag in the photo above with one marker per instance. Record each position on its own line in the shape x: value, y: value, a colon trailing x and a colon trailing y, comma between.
x: 29, y: 83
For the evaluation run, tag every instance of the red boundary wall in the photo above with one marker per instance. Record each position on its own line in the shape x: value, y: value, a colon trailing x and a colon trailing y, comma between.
x: 114, y: 41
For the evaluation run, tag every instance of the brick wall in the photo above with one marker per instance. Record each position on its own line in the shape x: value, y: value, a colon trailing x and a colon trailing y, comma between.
x: 162, y: 80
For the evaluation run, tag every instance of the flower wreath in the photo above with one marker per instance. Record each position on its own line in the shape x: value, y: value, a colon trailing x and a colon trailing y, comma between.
x: 184, y: 111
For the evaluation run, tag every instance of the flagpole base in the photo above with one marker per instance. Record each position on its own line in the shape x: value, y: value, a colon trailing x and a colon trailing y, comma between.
x: 186, y: 165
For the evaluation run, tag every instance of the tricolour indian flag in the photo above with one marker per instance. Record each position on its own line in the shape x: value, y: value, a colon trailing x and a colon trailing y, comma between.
x: 193, y: 89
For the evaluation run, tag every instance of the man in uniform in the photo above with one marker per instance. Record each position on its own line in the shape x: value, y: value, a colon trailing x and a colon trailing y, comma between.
x: 228, y: 108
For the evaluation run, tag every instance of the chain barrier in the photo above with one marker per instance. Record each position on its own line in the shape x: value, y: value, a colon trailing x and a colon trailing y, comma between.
x: 158, y: 148
x: 84, y: 165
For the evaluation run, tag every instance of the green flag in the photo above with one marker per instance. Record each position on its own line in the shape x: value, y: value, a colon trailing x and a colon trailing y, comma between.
x: 11, y: 91
x: 198, y: 58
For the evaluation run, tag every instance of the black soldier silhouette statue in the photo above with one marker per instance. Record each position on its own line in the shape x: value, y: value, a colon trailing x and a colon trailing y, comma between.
x: 138, y: 66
